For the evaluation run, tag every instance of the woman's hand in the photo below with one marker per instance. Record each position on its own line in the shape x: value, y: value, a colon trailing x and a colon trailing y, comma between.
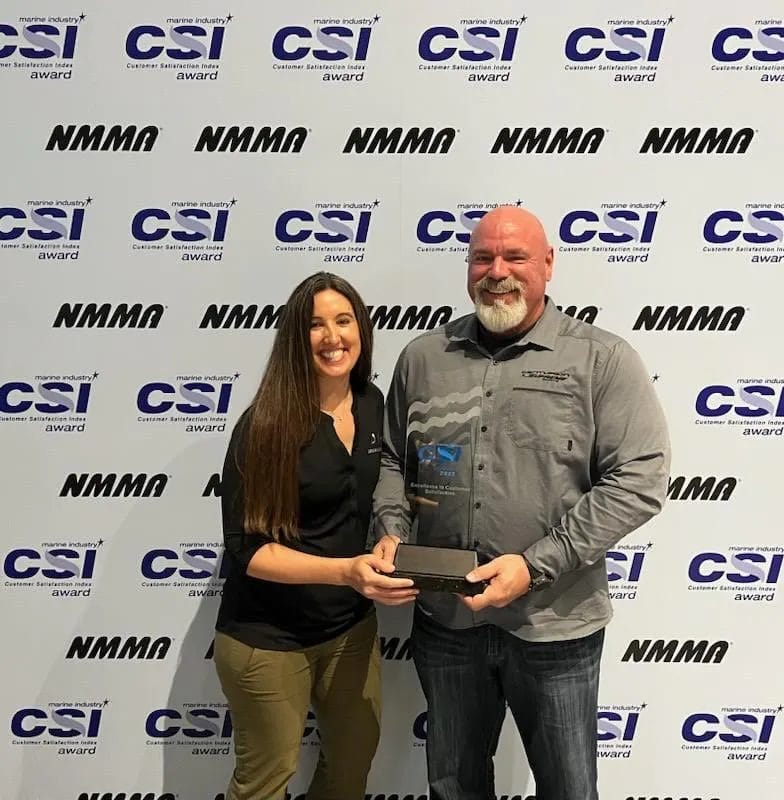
x: 367, y: 574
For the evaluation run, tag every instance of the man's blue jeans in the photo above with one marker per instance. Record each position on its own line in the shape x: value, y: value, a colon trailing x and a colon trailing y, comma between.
x: 469, y: 676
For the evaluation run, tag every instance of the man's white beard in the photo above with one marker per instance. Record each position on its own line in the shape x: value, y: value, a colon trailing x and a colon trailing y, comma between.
x: 500, y: 317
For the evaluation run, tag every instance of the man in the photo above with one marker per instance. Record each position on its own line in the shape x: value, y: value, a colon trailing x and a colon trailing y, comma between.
x: 554, y: 448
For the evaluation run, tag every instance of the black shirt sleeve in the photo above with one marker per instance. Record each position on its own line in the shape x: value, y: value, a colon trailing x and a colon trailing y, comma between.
x: 240, y: 546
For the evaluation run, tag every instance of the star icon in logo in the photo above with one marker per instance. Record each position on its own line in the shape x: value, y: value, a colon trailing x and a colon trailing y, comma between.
x: 376, y: 19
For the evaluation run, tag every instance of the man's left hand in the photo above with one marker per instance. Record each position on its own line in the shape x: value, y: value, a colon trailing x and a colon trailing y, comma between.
x: 508, y: 579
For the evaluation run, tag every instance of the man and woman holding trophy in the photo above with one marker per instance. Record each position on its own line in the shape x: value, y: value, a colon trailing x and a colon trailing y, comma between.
x: 519, y: 445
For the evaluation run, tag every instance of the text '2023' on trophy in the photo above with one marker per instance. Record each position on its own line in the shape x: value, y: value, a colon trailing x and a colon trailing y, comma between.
x: 437, y: 479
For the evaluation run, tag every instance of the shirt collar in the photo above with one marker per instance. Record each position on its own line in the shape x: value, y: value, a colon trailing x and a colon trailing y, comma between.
x: 543, y: 334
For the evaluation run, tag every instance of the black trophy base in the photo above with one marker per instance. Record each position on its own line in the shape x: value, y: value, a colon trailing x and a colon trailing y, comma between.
x: 437, y: 569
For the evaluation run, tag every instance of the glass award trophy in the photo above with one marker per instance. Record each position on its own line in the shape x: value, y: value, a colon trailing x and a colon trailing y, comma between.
x: 438, y: 486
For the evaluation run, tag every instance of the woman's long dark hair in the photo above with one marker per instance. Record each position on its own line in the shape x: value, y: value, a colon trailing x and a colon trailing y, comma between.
x: 285, y: 411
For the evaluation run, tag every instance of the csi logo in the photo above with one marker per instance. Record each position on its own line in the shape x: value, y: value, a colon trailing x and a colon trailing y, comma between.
x: 330, y: 226
x: 762, y: 226
x: 614, y: 226
x: 192, y: 564
x: 753, y: 402
x: 39, y: 41
x: 616, y: 726
x: 760, y: 568
x: 326, y: 43
x: 60, y: 723
x: 475, y: 43
x: 619, y: 45
x: 45, y: 224
x: 184, y: 225
x: 437, y: 226
x: 737, y: 727
x: 624, y: 566
x: 177, y: 42
x: 192, y: 723
x: 56, y: 563
x: 47, y: 397
x: 736, y: 44
x: 198, y: 397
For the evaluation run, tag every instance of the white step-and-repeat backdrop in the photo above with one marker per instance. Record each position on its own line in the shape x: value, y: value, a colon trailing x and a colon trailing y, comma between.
x: 170, y: 170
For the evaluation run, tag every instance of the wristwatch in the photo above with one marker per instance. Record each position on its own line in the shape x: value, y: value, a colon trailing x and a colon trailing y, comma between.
x: 539, y: 580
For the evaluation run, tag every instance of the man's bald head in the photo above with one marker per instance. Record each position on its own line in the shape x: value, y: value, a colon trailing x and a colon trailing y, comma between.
x: 504, y: 217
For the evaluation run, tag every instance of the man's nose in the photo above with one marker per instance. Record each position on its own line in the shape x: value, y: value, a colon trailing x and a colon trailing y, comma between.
x: 499, y: 269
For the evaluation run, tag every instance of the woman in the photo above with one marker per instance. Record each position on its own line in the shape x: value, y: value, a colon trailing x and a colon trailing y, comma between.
x: 296, y: 625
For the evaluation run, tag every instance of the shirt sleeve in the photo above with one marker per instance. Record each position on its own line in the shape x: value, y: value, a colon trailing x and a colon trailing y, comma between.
x: 240, y: 546
x: 391, y: 511
x: 632, y: 463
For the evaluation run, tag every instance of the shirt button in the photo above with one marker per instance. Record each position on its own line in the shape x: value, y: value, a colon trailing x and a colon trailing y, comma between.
x: 481, y: 466
x: 477, y: 505
x: 495, y: 362
x: 487, y: 394
x: 483, y: 429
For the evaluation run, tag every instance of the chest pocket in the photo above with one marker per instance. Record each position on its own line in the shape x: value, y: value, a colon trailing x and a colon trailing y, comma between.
x: 539, y: 417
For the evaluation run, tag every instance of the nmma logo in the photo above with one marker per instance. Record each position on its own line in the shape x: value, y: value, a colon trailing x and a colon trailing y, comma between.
x: 250, y: 139
x: 111, y: 484
x: 101, y: 137
x: 697, y: 140
x: 688, y: 318
x: 106, y: 315
x: 241, y: 316
x: 548, y: 140
x: 213, y: 487
x: 126, y: 796
x: 399, y: 140
x: 586, y: 313
x: 699, y: 488
x: 675, y: 651
x: 393, y: 649
x: 409, y: 317
x: 117, y: 647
